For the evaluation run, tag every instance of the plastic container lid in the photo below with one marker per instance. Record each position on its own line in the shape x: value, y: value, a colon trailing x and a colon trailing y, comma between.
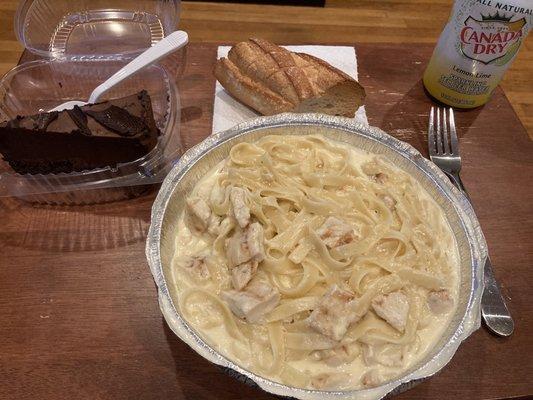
x: 93, y: 29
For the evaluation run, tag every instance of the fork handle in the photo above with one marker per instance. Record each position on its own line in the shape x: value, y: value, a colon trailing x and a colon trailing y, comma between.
x: 165, y: 46
x: 458, y: 183
x: 493, y: 308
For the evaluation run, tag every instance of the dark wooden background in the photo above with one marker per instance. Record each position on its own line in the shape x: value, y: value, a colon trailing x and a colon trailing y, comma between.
x: 78, y: 310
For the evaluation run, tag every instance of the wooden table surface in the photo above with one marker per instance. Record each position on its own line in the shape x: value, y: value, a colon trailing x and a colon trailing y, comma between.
x: 78, y: 310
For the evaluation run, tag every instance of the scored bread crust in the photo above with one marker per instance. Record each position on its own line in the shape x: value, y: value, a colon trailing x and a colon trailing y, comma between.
x: 271, y: 80
x: 253, y: 94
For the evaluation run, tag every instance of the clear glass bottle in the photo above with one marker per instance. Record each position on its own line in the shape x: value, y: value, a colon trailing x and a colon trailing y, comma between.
x: 478, y: 44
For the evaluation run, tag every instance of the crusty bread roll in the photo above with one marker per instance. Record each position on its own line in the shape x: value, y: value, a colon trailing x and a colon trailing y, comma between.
x: 271, y: 80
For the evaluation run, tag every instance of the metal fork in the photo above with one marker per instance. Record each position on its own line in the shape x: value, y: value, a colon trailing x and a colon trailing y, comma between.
x: 444, y: 152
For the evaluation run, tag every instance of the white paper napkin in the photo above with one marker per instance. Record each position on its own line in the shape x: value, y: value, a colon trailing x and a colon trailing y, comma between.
x: 228, y: 111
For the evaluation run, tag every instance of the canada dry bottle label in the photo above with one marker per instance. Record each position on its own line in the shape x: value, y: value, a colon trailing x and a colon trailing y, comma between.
x: 477, y: 45
x: 494, y: 39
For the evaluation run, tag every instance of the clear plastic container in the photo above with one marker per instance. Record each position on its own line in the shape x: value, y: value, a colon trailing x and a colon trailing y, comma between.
x: 94, y: 28
x: 40, y: 85
x: 83, y: 43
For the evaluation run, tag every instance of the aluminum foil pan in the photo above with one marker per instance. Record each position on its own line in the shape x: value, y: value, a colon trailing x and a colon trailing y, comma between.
x: 199, y: 159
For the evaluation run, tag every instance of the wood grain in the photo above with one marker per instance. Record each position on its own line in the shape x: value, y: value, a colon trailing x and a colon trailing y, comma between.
x: 78, y: 310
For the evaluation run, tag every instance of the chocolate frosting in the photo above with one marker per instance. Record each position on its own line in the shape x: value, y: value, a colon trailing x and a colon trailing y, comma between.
x: 80, y: 119
x: 119, y: 120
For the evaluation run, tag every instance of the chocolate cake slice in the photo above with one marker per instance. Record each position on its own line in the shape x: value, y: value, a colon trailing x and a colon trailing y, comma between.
x: 87, y: 137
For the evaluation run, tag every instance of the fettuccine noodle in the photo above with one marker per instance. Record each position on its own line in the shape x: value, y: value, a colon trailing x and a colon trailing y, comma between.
x: 315, y: 264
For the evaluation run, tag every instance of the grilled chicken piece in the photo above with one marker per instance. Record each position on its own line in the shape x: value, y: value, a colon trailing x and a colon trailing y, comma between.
x: 241, y: 211
x: 197, y: 266
x: 257, y: 299
x: 246, y: 245
x: 255, y: 240
x: 389, y: 355
x: 217, y: 194
x: 371, y: 378
x: 337, y: 356
x: 393, y: 308
x: 335, y: 232
x: 213, y: 226
x: 334, y: 314
x: 329, y: 381
x: 237, y: 251
x: 199, y: 212
x: 242, y: 274
x: 440, y: 301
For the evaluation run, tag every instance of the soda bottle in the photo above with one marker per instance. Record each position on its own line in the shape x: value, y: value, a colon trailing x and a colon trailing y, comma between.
x: 478, y: 44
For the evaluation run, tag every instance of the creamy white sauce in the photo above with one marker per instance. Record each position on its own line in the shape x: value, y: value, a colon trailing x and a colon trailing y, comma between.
x: 190, y: 243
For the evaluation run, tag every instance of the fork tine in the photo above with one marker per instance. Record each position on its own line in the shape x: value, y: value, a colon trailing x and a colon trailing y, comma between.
x: 446, y: 148
x: 453, y: 135
x: 431, y: 131
x: 439, y: 133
